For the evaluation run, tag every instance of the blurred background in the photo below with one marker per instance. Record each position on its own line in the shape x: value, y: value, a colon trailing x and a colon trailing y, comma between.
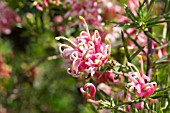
x: 33, y: 77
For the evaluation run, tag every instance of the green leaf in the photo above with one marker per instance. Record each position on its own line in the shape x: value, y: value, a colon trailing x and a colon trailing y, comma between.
x: 134, y: 41
x: 160, y: 93
x: 150, y: 8
x: 120, y: 24
x: 159, y: 109
x: 153, y: 19
x: 125, y: 25
x: 149, y: 35
x: 130, y: 14
x: 125, y: 47
x: 162, y: 59
x: 141, y: 6
x: 129, y: 25
x: 150, y: 24
x: 136, y: 53
x: 132, y: 93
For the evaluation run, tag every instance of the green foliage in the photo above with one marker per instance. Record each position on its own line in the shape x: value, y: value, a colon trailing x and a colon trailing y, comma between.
x: 38, y: 81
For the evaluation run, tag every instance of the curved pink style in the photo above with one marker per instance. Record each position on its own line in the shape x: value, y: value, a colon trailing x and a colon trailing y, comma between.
x: 91, y: 94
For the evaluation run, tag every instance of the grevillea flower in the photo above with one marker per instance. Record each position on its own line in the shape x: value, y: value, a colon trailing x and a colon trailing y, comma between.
x: 91, y: 94
x: 140, y: 83
x: 8, y: 18
x: 86, y: 8
x: 45, y: 3
x: 86, y: 54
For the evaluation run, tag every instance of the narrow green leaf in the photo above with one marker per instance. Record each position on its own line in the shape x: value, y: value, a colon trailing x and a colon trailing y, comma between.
x: 141, y: 5
x: 136, y: 53
x: 132, y: 93
x: 118, y: 23
x: 129, y: 25
x: 153, y: 19
x: 150, y: 8
x: 158, y: 108
x: 162, y: 59
x: 159, y: 93
x: 157, y: 22
x: 134, y: 41
x: 130, y: 14
x: 157, y: 18
x: 149, y: 35
x: 125, y: 47
x: 93, y: 108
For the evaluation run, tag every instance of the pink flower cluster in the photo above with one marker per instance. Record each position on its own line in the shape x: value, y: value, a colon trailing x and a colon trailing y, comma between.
x: 89, y: 95
x: 86, y: 8
x: 7, y: 18
x: 140, y: 83
x: 46, y: 3
x: 86, y: 54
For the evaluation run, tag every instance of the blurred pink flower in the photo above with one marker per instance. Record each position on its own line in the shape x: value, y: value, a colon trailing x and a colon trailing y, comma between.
x: 58, y: 19
x: 86, y: 54
x: 45, y: 3
x: 90, y: 96
x: 133, y: 5
x: 107, y: 76
x: 86, y: 8
x: 160, y: 52
x: 106, y: 89
x: 8, y: 18
x: 111, y: 11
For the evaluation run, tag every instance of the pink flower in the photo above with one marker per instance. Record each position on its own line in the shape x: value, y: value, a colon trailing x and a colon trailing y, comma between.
x: 8, y: 18
x: 58, y: 19
x: 45, y: 3
x: 39, y: 7
x: 106, y: 89
x: 91, y: 94
x: 86, y: 54
x: 87, y: 9
x: 140, y: 83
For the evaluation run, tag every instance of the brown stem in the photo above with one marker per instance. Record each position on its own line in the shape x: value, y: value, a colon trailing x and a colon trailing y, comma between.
x: 149, y: 54
x: 150, y: 50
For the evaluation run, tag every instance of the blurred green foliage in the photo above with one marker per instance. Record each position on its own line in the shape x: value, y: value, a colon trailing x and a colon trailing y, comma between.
x: 39, y: 82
